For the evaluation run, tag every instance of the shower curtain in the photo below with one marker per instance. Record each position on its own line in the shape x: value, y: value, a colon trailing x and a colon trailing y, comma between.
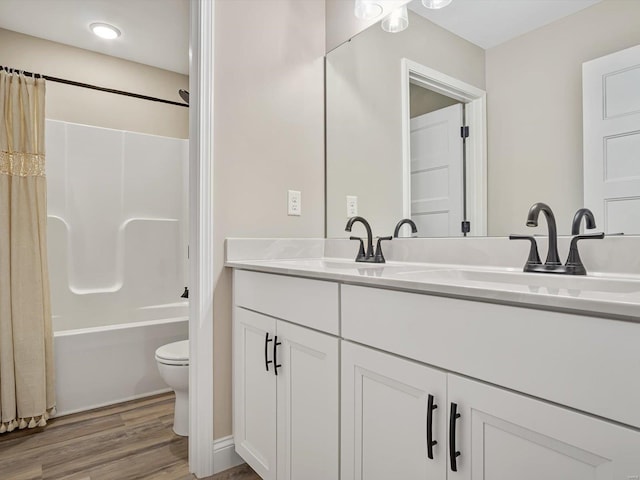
x: 26, y: 339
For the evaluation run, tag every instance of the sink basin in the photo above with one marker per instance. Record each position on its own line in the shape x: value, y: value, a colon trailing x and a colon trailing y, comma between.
x: 349, y: 266
x: 324, y: 264
x: 533, y: 281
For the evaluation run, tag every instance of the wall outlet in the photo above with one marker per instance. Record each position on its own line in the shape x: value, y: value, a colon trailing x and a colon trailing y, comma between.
x: 352, y: 206
x: 294, y: 205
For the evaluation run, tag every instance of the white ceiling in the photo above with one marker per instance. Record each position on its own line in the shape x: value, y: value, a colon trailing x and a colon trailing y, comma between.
x: 154, y: 32
x: 488, y: 23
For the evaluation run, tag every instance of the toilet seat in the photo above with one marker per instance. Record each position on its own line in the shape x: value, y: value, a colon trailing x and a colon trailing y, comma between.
x: 176, y: 353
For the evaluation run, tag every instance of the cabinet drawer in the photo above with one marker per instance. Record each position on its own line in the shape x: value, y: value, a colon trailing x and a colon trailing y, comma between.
x: 311, y: 303
x: 580, y: 361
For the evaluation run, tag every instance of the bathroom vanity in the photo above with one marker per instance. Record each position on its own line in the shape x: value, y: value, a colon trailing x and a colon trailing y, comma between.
x: 415, y: 370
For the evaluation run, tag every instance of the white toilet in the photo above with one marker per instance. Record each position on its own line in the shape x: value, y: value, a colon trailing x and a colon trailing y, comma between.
x: 173, y: 364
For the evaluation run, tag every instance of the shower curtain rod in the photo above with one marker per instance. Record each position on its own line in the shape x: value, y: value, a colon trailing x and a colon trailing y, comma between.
x: 94, y: 87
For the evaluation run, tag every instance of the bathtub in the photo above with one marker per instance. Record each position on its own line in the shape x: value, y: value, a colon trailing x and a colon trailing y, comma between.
x: 101, y: 366
x: 118, y: 259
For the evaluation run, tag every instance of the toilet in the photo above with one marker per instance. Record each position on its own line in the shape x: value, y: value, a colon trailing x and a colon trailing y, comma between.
x: 173, y: 364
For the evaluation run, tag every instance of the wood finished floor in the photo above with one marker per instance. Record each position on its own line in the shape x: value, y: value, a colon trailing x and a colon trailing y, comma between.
x: 128, y: 441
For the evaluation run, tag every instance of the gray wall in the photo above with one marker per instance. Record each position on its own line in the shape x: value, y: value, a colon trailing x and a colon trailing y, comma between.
x: 423, y: 101
x: 268, y: 138
x: 91, y: 107
x: 534, y: 105
x: 364, y: 134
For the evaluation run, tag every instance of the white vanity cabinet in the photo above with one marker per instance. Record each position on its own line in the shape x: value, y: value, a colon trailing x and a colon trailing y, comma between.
x: 388, y: 420
x: 391, y: 409
x: 502, y: 435
x: 286, y: 380
x: 368, y: 379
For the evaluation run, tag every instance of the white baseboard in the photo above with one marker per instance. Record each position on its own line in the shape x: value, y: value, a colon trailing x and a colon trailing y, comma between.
x: 224, y: 454
x: 111, y: 402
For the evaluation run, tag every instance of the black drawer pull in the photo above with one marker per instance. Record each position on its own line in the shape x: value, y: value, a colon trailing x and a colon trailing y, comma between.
x: 276, y: 365
x: 266, y: 350
x: 430, y: 441
x: 453, y: 453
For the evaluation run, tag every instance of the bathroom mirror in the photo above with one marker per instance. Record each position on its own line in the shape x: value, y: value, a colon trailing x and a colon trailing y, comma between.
x: 524, y: 61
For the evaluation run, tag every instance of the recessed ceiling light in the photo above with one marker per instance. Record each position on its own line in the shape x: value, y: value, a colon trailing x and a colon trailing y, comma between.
x: 104, y: 30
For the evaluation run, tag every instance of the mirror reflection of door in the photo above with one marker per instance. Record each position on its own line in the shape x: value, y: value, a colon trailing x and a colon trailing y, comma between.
x: 611, y: 123
x: 437, y: 163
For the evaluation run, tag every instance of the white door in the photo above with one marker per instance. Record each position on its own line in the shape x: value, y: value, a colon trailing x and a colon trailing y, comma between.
x: 254, y: 391
x: 308, y: 404
x: 385, y: 417
x: 436, y: 172
x: 611, y: 121
x: 504, y: 436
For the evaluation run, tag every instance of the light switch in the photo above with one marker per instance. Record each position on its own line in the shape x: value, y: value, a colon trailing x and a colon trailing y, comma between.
x: 294, y: 203
x: 352, y: 206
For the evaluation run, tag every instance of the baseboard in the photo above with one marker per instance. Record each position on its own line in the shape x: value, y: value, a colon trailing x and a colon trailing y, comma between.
x: 224, y: 454
x: 112, y: 402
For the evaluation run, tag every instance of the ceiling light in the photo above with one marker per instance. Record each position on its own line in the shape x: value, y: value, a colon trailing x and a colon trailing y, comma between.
x: 435, y: 4
x: 104, y: 30
x: 367, y: 9
x: 396, y: 21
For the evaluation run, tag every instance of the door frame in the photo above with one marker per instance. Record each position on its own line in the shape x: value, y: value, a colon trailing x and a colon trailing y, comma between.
x: 201, y: 261
x: 475, y: 101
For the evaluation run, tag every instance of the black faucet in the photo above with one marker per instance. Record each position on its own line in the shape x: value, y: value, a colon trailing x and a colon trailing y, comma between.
x: 589, y: 220
x: 366, y: 256
x: 362, y: 255
x: 414, y: 229
x: 574, y: 264
x: 379, y: 257
x: 553, y: 258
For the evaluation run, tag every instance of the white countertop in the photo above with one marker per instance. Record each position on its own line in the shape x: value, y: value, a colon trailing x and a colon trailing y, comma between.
x: 602, y: 295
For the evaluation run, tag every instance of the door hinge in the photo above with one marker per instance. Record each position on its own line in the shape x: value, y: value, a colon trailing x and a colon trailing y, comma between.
x: 464, y: 132
x: 466, y: 226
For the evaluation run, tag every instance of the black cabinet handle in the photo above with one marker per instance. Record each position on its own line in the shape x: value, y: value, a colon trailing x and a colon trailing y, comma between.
x: 430, y: 441
x: 276, y: 365
x: 266, y: 351
x: 453, y: 453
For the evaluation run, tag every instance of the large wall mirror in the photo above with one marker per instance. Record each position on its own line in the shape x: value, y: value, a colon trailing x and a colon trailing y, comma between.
x: 513, y: 73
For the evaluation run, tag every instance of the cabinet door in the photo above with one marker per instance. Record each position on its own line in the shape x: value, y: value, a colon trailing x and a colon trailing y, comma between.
x: 502, y: 435
x: 308, y: 404
x: 385, y: 419
x: 254, y: 391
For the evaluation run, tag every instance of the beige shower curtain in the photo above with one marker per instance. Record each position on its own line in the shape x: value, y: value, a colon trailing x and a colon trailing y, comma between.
x: 26, y: 343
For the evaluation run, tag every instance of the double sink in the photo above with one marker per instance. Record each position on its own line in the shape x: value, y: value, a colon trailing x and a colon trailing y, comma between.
x: 496, y: 283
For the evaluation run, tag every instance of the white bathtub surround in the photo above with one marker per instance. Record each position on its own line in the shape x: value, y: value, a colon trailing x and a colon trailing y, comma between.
x: 26, y: 354
x: 112, y: 364
x: 117, y: 210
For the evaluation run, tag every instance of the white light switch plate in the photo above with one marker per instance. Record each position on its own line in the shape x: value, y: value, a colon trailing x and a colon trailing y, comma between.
x: 294, y: 203
x: 352, y: 206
